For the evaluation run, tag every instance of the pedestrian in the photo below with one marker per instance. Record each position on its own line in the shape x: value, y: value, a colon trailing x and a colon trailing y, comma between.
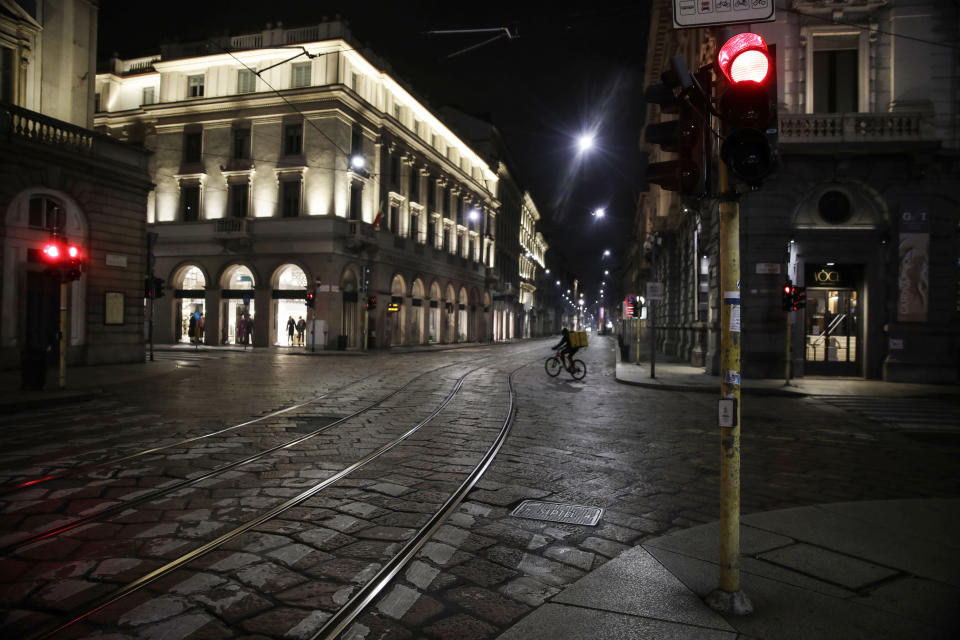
x: 291, y: 327
x: 192, y: 330
x: 249, y: 332
x: 201, y: 323
x: 241, y: 330
x: 301, y: 330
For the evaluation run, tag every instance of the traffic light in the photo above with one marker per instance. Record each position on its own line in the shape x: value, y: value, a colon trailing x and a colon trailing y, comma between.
x: 64, y: 260
x: 799, y: 298
x: 786, y: 301
x: 147, y: 287
x: 310, y: 298
x: 158, y: 287
x: 372, y: 302
x: 748, y: 107
x: 689, y: 135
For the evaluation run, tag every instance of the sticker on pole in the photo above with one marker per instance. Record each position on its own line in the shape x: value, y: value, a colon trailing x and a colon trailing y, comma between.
x: 727, y: 411
x: 703, y: 13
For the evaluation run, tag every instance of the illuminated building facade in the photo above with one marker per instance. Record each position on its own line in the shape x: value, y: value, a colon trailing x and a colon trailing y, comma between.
x: 286, y: 160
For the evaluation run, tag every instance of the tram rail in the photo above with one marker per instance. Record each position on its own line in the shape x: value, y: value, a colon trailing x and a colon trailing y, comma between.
x: 343, y: 617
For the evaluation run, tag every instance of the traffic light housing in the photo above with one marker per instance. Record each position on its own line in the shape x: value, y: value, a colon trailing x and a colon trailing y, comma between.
x: 799, y: 298
x: 688, y: 136
x: 158, y: 287
x: 372, y: 302
x: 310, y: 298
x: 748, y: 107
x: 786, y: 300
x: 64, y: 260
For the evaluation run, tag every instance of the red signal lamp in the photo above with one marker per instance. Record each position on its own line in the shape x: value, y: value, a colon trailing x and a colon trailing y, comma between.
x: 73, y: 252
x: 744, y: 58
x: 52, y: 252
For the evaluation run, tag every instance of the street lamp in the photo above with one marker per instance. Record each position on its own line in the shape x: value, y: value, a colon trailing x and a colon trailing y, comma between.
x: 357, y: 161
x: 599, y: 212
x: 585, y: 142
x: 606, y: 253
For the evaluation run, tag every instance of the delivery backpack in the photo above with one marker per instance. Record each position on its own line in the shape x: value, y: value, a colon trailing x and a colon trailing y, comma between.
x: 578, y: 339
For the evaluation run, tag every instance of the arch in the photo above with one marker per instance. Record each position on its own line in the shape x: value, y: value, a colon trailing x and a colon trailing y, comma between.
x: 193, y: 278
x: 292, y: 280
x: 396, y: 320
x: 417, y: 314
x: 841, y: 204
x: 434, y: 317
x: 25, y: 289
x: 449, y: 315
x: 237, y: 307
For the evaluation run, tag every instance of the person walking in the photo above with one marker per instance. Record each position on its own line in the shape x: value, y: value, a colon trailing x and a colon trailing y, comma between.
x: 291, y: 327
x: 301, y: 330
x: 192, y: 329
x: 200, y: 326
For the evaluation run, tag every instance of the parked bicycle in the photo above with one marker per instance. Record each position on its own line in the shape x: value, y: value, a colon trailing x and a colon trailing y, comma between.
x: 555, y: 363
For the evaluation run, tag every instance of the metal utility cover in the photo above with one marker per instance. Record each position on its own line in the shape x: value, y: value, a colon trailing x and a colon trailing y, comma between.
x: 556, y: 512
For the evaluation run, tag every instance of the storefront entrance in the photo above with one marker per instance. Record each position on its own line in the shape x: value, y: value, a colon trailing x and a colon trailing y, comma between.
x: 834, y: 345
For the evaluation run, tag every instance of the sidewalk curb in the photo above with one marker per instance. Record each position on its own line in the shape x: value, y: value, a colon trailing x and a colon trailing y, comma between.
x: 755, y: 391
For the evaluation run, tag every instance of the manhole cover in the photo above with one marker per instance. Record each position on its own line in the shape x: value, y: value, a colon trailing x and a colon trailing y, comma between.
x: 556, y: 512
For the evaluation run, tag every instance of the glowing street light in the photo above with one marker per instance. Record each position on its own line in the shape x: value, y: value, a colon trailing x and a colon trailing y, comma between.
x: 606, y: 253
x: 474, y: 215
x: 358, y: 161
x: 585, y: 142
x: 599, y: 213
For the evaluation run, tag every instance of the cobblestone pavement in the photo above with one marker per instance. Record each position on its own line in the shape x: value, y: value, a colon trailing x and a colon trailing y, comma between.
x: 649, y: 458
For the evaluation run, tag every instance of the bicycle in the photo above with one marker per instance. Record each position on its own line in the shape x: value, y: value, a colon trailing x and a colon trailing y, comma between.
x: 554, y: 364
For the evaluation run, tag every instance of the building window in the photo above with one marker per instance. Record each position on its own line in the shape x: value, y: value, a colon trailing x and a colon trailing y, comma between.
x: 356, y: 201
x: 354, y: 82
x: 446, y: 202
x: 195, y: 86
x: 44, y: 213
x: 460, y: 210
x: 96, y: 102
x: 835, y: 81
x: 246, y: 81
x: 292, y: 139
x: 6, y: 74
x: 193, y: 147
x: 432, y: 230
x: 461, y: 246
x: 290, y: 198
x: 190, y: 203
x: 239, y: 199
x: 396, y: 111
x: 241, y: 144
x: 356, y: 141
x: 415, y: 226
x: 301, y: 74
x: 393, y: 221
x: 395, y: 171
x: 149, y: 95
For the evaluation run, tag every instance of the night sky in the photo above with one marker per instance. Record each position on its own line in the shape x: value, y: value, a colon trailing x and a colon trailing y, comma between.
x: 574, y: 66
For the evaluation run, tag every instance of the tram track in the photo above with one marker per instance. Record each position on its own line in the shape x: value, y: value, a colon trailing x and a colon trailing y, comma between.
x: 109, y: 511
x: 355, y: 605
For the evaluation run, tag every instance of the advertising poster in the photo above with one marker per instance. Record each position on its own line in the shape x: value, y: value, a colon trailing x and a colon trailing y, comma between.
x: 914, y: 263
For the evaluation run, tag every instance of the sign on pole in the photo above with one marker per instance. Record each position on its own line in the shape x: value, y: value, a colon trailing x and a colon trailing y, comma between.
x: 707, y: 13
x: 655, y: 291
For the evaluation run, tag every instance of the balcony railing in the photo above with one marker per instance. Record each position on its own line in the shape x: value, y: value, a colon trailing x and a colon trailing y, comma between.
x: 905, y: 126
x: 230, y: 226
x: 17, y: 123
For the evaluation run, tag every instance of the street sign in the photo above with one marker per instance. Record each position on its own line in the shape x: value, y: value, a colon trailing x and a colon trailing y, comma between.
x: 705, y: 13
x: 655, y: 291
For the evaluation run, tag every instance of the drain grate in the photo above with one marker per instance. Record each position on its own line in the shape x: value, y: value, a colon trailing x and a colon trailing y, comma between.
x: 556, y: 512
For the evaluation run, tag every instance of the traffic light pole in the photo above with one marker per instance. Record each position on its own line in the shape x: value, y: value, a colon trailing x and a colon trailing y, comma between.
x: 728, y: 597
x: 62, y: 380
x: 789, y: 318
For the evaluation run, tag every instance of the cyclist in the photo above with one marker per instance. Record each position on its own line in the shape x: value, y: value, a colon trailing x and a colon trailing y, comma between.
x: 567, y: 353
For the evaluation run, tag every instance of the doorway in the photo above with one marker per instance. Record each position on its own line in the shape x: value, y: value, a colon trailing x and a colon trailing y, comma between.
x: 832, y: 331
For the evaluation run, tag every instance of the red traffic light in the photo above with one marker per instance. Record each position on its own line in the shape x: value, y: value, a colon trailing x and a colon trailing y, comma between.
x: 73, y: 251
x: 743, y: 58
x: 52, y: 252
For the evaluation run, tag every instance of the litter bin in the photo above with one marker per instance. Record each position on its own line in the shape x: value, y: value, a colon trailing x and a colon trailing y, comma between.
x: 33, y: 369
x: 341, y: 343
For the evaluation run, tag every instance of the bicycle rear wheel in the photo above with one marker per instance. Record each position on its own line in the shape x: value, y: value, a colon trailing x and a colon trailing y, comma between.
x: 579, y: 370
x: 552, y: 365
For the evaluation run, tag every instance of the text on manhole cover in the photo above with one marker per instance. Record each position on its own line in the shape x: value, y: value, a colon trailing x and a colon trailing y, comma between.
x: 556, y: 512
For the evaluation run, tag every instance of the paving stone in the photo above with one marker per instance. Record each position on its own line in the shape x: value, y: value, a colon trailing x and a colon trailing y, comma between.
x: 344, y: 570
x: 390, y: 489
x: 154, y: 610
x: 232, y: 602
x: 487, y: 604
x: 570, y: 555
x: 287, y: 622
x: 371, y: 549
x: 483, y: 572
x: 421, y: 574
x: 529, y: 591
x: 460, y: 627
x: 268, y: 577
x: 124, y: 569
x: 324, y: 539
x: 328, y: 596
x: 605, y: 547
x: 197, y: 583
x: 64, y: 595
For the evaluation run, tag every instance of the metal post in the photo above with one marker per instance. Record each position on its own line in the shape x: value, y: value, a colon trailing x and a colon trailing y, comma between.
x: 63, y: 333
x: 728, y: 597
x: 650, y: 316
x: 787, y: 383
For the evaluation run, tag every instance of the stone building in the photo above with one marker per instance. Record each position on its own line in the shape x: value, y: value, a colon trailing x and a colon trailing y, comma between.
x: 862, y: 209
x: 289, y: 161
x: 54, y: 167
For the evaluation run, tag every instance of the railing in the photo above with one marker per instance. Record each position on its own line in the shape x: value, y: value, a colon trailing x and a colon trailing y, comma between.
x: 225, y: 226
x: 306, y: 34
x: 29, y: 125
x: 895, y: 126
x: 140, y: 65
x: 32, y: 127
x: 251, y: 41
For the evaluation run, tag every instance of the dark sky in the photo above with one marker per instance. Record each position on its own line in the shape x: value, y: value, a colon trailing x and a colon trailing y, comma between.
x: 573, y: 66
